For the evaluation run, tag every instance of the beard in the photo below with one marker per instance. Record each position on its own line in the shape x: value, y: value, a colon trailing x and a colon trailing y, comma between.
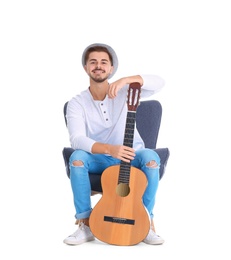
x: 99, y: 79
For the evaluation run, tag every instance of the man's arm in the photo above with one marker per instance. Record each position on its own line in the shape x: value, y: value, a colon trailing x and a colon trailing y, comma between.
x: 149, y: 83
x: 120, y: 152
x: 120, y: 83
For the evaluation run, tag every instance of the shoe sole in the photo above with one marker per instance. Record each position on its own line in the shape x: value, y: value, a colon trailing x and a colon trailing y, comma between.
x: 72, y: 243
x: 154, y: 243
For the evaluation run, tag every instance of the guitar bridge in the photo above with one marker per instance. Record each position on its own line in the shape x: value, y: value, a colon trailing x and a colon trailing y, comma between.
x: 119, y: 220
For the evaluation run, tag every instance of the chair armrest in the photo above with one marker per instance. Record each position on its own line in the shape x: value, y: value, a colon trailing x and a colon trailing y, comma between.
x: 67, y: 151
x: 164, y: 155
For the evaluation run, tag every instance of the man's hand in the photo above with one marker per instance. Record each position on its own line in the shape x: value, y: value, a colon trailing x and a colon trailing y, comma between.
x: 120, y: 83
x: 115, y: 87
x: 122, y: 152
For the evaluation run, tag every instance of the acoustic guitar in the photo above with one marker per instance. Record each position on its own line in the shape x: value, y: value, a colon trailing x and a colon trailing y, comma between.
x: 119, y: 217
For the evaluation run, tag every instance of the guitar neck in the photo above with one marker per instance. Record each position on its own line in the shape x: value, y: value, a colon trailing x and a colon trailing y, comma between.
x: 129, y: 128
x: 128, y: 141
x: 132, y: 102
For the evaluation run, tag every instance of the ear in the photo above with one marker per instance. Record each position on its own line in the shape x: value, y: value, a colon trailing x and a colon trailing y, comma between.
x: 85, y: 68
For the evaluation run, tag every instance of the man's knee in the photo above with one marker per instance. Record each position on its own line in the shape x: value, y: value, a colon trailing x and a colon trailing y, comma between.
x: 77, y: 163
x: 152, y: 164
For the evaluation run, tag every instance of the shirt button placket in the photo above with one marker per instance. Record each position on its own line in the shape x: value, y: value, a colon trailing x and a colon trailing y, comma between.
x: 104, y: 112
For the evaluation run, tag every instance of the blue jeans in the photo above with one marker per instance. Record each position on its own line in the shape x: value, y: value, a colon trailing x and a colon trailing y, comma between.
x: 96, y: 164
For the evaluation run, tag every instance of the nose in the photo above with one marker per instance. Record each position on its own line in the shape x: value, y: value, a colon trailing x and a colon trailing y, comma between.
x: 98, y: 65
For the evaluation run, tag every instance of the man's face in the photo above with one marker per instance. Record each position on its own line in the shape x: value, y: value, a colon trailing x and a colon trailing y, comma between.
x: 98, y: 66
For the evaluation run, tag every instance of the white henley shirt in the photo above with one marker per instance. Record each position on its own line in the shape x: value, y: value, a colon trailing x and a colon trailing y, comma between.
x: 90, y: 121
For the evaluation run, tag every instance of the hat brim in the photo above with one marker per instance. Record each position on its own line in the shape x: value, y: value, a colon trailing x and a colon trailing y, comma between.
x: 111, y: 51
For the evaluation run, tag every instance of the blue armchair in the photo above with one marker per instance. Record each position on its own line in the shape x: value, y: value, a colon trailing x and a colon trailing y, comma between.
x: 148, y: 120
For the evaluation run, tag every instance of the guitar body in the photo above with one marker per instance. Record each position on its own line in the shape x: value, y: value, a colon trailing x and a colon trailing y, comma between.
x: 119, y: 217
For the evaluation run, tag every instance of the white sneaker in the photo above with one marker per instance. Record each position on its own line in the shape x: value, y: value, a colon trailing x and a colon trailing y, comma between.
x: 81, y: 235
x: 153, y: 239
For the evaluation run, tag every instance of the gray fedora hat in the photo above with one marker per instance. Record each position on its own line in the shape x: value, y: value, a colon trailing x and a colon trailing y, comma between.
x: 110, y: 50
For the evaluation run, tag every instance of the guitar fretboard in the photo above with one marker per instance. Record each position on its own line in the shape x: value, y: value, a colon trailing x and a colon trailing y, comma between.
x: 125, y: 167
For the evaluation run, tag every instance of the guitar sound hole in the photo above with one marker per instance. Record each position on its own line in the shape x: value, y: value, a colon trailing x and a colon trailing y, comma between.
x: 122, y: 190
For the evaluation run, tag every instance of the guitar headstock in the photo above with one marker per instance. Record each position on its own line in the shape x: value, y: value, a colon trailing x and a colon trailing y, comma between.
x: 133, y: 96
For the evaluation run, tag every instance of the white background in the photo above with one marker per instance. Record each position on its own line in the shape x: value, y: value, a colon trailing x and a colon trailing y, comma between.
x: 185, y: 42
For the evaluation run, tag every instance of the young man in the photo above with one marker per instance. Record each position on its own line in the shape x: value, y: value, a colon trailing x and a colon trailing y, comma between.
x: 96, y: 121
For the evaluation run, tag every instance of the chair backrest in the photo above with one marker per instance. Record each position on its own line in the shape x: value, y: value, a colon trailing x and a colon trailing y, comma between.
x: 148, y: 120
